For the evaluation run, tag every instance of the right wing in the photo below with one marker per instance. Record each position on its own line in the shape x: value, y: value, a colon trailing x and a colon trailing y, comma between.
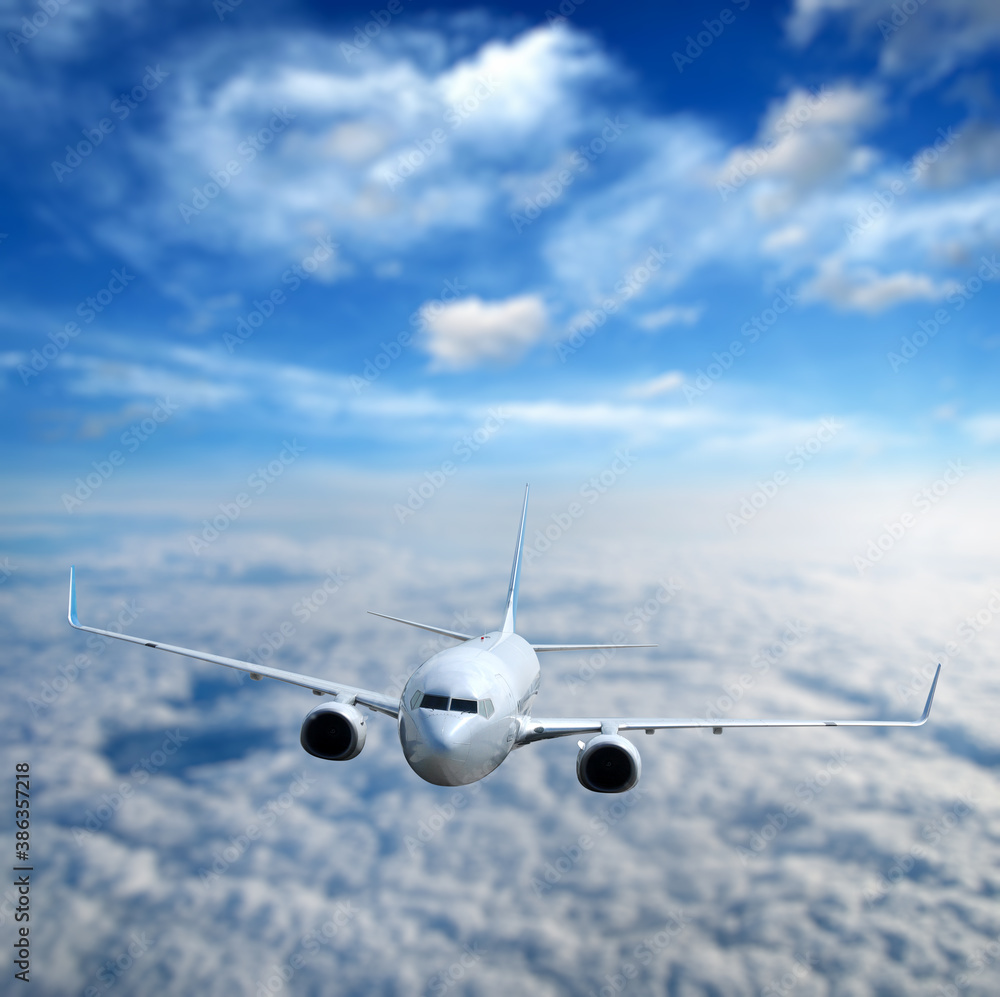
x: 377, y: 701
x: 543, y: 728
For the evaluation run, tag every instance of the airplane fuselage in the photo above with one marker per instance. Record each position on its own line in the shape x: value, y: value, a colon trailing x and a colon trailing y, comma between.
x: 462, y: 709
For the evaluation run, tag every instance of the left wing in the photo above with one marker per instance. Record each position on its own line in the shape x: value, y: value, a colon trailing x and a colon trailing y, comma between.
x: 377, y: 701
x: 542, y: 728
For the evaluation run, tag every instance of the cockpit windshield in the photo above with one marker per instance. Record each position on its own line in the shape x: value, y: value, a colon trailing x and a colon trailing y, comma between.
x: 430, y: 701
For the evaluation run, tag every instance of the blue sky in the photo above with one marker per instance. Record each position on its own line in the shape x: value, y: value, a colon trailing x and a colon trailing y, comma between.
x: 282, y: 305
x: 483, y: 182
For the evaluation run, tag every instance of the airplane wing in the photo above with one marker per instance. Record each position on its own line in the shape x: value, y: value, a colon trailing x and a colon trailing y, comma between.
x: 542, y: 728
x: 377, y: 701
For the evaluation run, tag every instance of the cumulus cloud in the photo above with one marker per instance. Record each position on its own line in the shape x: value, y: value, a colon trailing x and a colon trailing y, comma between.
x: 470, y: 332
x: 919, y: 39
x: 377, y: 148
x: 805, y: 140
x: 866, y: 290
x: 796, y: 848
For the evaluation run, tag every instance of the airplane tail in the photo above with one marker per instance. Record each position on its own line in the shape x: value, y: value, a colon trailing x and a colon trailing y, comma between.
x: 510, y: 610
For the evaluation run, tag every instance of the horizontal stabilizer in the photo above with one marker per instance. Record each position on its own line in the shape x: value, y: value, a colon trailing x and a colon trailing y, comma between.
x: 424, y: 626
x: 584, y: 647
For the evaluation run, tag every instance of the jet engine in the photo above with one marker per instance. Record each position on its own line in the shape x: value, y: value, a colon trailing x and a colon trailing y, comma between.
x: 608, y: 763
x: 334, y: 731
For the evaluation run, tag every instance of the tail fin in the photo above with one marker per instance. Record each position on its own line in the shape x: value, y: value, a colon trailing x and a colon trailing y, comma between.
x: 510, y: 611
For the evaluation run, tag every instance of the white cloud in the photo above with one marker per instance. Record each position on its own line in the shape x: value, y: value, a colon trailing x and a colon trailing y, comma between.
x: 984, y: 429
x: 506, y: 113
x: 470, y: 332
x: 974, y: 155
x: 748, y: 918
x: 785, y: 238
x: 806, y: 139
x: 671, y: 315
x: 669, y: 381
x: 377, y: 150
x: 921, y: 39
x: 866, y: 290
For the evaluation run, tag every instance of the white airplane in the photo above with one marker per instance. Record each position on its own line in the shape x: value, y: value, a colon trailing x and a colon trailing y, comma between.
x: 465, y: 708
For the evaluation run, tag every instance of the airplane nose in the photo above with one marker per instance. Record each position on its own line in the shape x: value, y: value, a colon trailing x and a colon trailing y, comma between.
x: 436, y: 747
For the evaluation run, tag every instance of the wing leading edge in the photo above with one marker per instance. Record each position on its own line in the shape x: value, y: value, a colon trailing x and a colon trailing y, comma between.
x: 363, y: 697
x: 542, y: 728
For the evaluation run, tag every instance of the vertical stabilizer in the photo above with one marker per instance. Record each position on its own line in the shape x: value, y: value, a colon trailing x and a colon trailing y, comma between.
x: 510, y: 612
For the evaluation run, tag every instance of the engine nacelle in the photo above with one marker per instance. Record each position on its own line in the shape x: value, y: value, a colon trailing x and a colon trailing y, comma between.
x: 334, y: 731
x: 608, y: 763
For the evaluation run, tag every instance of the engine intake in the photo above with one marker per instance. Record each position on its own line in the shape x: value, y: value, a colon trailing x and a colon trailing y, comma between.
x: 608, y: 763
x: 334, y: 731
